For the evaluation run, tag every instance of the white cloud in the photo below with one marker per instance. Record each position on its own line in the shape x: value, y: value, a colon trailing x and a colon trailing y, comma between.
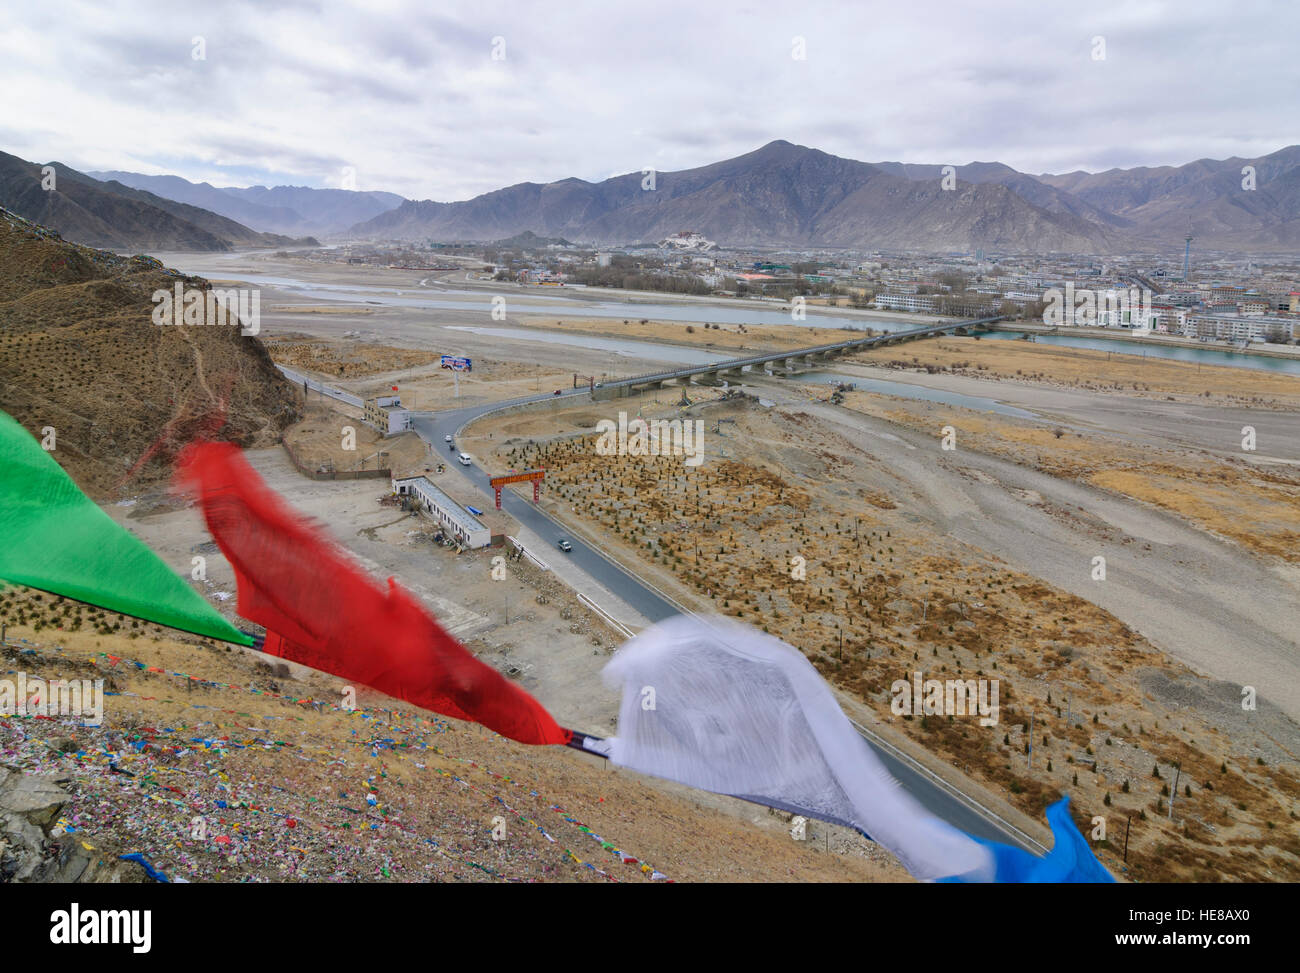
x: 410, y: 98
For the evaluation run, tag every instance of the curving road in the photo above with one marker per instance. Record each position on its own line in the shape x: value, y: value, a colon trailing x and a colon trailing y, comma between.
x: 433, y: 426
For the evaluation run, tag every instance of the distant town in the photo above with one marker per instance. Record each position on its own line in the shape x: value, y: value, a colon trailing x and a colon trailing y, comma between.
x: 1217, y: 297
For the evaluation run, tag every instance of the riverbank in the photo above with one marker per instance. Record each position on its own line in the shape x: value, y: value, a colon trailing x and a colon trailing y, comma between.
x: 316, y: 281
x: 998, y: 364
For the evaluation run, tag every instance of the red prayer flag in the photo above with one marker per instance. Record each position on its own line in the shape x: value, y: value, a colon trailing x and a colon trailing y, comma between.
x: 322, y: 610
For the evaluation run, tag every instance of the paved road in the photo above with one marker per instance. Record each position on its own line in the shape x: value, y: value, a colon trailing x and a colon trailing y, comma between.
x: 432, y: 427
x: 298, y: 378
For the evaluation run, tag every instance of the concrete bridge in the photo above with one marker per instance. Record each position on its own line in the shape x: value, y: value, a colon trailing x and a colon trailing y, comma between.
x: 791, y: 362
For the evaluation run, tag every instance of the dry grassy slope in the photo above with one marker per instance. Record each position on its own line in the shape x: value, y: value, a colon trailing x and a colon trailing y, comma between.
x: 79, y: 351
x: 318, y: 437
x: 1058, y: 366
x: 318, y: 766
x: 722, y: 535
x: 344, y: 359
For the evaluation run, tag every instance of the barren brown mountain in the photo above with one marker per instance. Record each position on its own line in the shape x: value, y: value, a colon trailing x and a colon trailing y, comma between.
x: 81, y: 354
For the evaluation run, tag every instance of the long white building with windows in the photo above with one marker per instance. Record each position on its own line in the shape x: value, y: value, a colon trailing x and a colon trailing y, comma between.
x: 455, y: 519
x: 905, y: 302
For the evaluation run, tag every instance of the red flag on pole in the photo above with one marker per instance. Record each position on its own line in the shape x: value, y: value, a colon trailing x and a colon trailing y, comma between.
x: 322, y: 610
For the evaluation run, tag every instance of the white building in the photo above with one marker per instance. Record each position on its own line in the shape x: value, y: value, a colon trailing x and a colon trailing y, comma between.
x: 687, y: 240
x: 455, y: 519
x: 905, y: 302
x: 1171, y: 319
x: 386, y: 414
x: 1134, y: 317
x: 1237, y: 327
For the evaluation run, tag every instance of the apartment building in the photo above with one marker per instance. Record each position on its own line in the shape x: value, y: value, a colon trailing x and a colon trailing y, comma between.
x: 905, y: 302
x: 1240, y: 327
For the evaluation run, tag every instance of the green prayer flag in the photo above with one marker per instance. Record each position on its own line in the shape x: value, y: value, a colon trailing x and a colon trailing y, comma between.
x: 54, y: 537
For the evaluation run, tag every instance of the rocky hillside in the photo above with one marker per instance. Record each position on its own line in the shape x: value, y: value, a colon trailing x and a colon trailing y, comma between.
x: 288, y: 786
x: 1214, y: 199
x: 79, y: 352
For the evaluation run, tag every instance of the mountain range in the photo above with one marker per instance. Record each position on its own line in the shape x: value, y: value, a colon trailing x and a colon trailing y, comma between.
x: 296, y: 210
x: 780, y: 195
x: 790, y: 195
x: 109, y: 214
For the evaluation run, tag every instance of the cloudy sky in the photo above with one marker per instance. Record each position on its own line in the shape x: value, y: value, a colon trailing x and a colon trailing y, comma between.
x: 446, y: 100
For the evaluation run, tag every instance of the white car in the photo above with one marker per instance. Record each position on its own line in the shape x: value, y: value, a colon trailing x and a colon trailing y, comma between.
x: 464, y: 459
x: 446, y: 439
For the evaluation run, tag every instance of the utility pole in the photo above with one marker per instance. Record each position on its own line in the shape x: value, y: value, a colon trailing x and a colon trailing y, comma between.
x: 1127, y: 826
x: 1030, y: 754
x: 1173, y: 791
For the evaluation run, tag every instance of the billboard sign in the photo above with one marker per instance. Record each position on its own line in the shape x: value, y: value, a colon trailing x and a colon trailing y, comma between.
x: 457, y: 364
